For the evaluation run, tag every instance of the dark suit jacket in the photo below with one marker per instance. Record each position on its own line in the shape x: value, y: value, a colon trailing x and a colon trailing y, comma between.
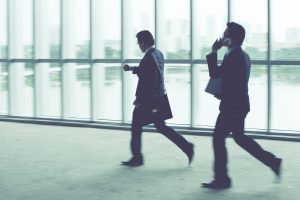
x: 151, y: 79
x: 234, y: 72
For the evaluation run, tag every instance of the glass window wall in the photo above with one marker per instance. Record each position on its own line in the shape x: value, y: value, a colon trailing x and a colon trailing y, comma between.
x: 107, y: 92
x: 76, y: 91
x: 3, y: 28
x: 21, y: 88
x: 76, y: 29
x: 20, y: 29
x: 63, y: 58
x: 285, y: 32
x: 47, y: 29
x: 256, y: 25
x: 173, y: 17
x: 3, y: 89
x: 48, y: 90
x: 138, y: 15
x: 106, y: 29
x: 285, y: 97
x: 207, y: 26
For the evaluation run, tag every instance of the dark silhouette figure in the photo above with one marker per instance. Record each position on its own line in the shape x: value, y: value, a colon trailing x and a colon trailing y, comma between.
x: 151, y: 87
x: 234, y: 106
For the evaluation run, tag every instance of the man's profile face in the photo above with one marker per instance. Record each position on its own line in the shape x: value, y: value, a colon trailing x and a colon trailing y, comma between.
x: 142, y: 46
x: 226, y: 39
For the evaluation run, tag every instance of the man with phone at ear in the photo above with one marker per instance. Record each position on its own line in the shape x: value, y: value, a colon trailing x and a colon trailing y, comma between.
x: 234, y: 106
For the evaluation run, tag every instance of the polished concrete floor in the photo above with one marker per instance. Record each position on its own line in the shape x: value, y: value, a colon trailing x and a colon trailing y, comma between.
x: 39, y: 162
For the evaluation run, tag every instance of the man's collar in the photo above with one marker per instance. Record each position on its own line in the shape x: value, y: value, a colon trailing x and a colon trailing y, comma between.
x: 230, y: 49
x: 149, y: 48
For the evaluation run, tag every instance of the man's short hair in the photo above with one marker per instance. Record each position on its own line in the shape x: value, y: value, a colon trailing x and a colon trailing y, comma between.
x: 237, y: 32
x: 146, y: 37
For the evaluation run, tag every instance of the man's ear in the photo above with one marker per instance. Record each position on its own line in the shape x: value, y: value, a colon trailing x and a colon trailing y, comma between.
x: 233, y: 42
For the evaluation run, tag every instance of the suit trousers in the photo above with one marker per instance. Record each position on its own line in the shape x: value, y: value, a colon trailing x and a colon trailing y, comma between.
x: 136, y: 133
x: 234, y: 123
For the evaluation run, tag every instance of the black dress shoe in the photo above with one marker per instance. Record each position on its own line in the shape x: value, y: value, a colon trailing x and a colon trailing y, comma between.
x: 134, y: 162
x: 216, y: 184
x: 276, y: 168
x: 190, y: 153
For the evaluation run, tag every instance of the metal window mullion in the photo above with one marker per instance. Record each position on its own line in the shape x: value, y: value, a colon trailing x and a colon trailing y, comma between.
x: 229, y: 10
x: 8, y: 56
x: 155, y: 22
x: 122, y: 63
x: 61, y: 62
x: 35, y: 107
x: 269, y: 101
x: 92, y: 96
x: 192, y: 102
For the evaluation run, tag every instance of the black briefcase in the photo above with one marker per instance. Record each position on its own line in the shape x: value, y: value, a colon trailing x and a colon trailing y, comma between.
x: 161, y: 109
x: 158, y: 111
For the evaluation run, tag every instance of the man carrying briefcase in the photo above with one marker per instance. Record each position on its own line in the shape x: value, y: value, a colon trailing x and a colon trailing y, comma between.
x: 151, y: 103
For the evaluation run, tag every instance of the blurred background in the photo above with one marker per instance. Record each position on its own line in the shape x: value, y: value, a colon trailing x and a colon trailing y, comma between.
x: 62, y: 59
